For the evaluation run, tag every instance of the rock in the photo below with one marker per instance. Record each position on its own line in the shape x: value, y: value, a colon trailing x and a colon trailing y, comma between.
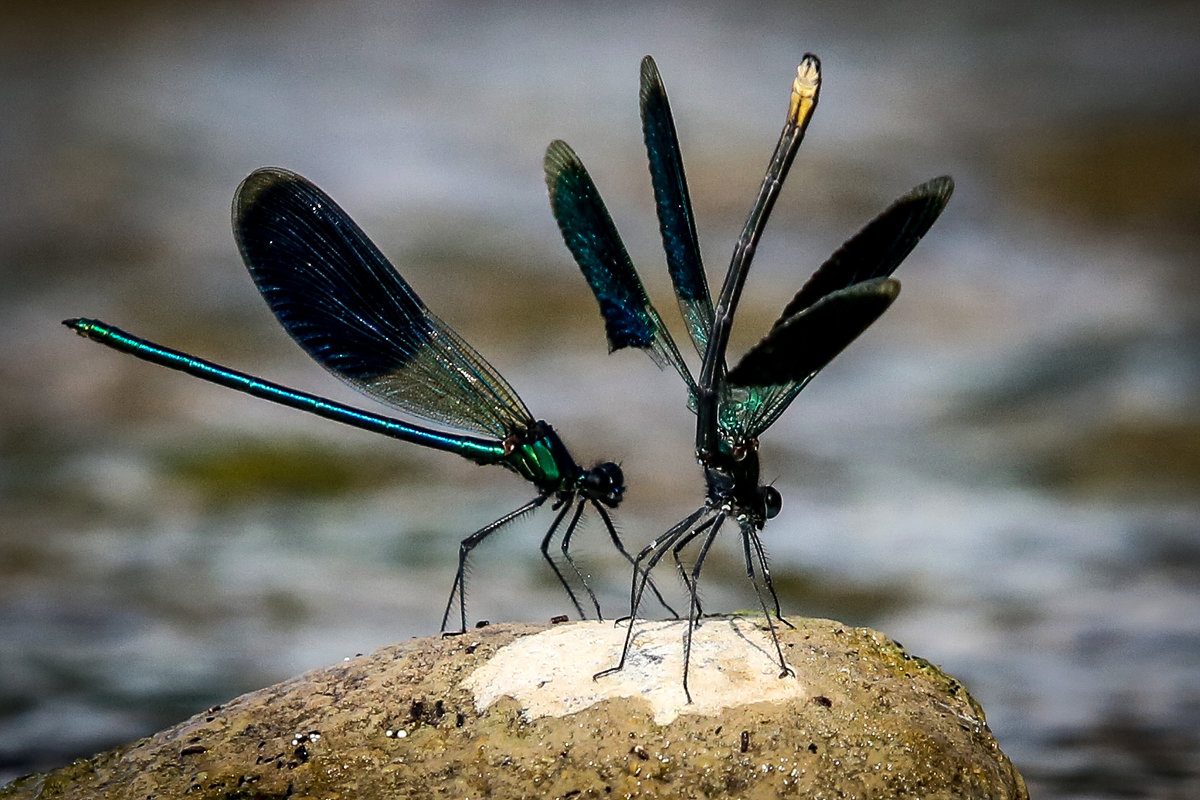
x: 512, y: 711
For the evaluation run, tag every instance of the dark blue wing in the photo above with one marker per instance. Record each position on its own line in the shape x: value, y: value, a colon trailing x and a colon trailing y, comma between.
x: 630, y: 319
x: 676, y: 222
x: 340, y: 299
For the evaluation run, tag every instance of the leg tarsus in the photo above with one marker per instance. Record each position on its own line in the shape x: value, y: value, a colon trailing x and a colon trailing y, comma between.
x: 750, y: 541
x: 713, y: 526
x: 651, y: 554
x: 459, y: 589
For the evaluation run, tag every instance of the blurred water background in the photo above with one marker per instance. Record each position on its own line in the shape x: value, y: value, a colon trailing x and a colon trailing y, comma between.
x: 1003, y: 474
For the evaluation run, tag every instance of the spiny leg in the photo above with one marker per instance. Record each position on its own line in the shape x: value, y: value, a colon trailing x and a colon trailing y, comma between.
x: 750, y: 539
x: 714, y: 527
x: 693, y: 595
x: 566, y: 543
x: 662, y: 541
x: 655, y: 551
x: 464, y: 549
x: 616, y: 540
x: 766, y: 573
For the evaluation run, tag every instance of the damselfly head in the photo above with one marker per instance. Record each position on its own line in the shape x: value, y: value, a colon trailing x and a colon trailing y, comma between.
x: 605, y: 483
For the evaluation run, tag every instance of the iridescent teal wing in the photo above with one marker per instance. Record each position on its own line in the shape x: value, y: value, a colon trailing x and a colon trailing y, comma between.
x: 674, y: 206
x: 339, y: 298
x: 630, y: 319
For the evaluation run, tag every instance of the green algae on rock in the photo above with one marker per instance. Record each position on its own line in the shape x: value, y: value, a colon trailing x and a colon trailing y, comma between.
x: 512, y: 711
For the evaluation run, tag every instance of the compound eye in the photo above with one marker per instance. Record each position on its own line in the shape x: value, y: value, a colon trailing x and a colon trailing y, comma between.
x: 606, y: 483
x: 772, y: 501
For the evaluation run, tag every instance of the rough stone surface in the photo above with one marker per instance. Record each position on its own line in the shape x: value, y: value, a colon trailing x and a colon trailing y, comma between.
x: 512, y: 711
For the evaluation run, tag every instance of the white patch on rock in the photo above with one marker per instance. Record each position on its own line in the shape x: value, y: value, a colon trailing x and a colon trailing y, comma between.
x: 733, y: 663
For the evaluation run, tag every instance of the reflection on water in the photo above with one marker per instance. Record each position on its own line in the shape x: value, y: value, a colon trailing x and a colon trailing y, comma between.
x: 1003, y: 475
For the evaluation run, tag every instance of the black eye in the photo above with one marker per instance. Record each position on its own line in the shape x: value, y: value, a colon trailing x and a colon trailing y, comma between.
x: 772, y: 501
x: 606, y: 483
